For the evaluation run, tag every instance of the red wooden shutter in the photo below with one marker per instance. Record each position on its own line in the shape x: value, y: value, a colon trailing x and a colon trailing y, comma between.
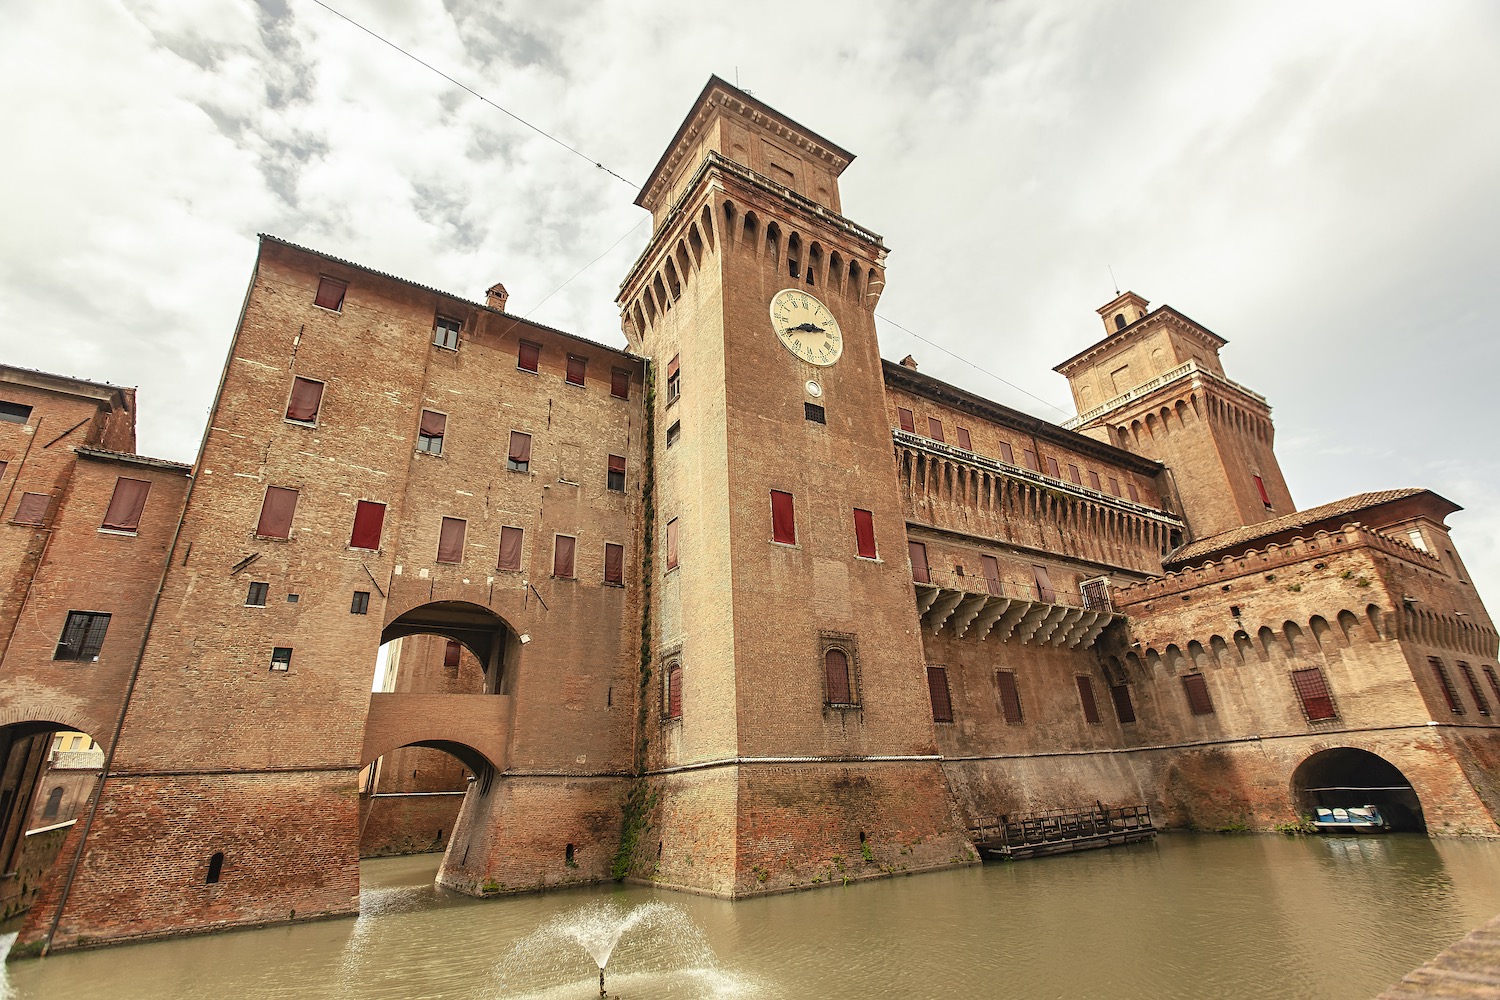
x: 1196, y: 688
x: 917, y: 552
x: 1074, y: 475
x: 836, y: 670
x: 935, y: 428
x: 1010, y: 697
x: 307, y: 396
x: 1450, y: 694
x: 1135, y: 494
x: 369, y: 519
x: 276, y: 513
x: 1044, y: 591
x: 1086, y: 696
x: 528, y: 355
x: 452, y: 653
x: 1114, y: 485
x: 451, y: 540
x: 617, y: 467
x: 783, y: 522
x: 510, y: 548
x: 562, y: 557
x: 937, y: 690
x: 1312, y: 691
x: 908, y: 421
x: 1030, y: 457
x: 1260, y: 486
x: 433, y: 424
x: 1094, y: 481
x: 1007, y: 454
x: 963, y: 439
x: 992, y: 575
x: 520, y: 447
x: 673, y: 366
x: 614, y: 563
x: 1120, y: 695
x: 125, y: 507
x: 619, y: 383
x: 576, y: 368
x: 330, y: 294
x: 674, y: 692
x: 1052, y: 469
x: 1480, y: 701
x: 672, y: 544
x: 864, y: 533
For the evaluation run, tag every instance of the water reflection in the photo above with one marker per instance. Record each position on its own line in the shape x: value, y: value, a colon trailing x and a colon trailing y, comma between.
x: 1187, y: 917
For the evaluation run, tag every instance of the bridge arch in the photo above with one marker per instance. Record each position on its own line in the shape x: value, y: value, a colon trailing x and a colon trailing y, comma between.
x: 1340, y: 777
x: 492, y: 640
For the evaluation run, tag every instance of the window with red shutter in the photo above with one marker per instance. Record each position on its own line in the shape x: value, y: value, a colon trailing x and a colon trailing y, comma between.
x: 453, y: 652
x: 1480, y: 701
x: 614, y: 564
x: 330, y: 294
x: 528, y: 355
x: 1450, y: 693
x: 674, y: 691
x: 451, y: 540
x: 616, y: 479
x: 307, y: 396
x: 1114, y: 485
x: 1312, y: 692
x: 1260, y: 487
x: 276, y: 513
x: 126, y: 505
x: 1052, y: 469
x: 576, y: 368
x: 935, y: 428
x: 33, y: 508
x: 1030, y: 458
x: 937, y: 691
x: 1010, y: 697
x: 1044, y: 591
x: 907, y: 418
x: 369, y: 519
x: 1135, y: 494
x: 917, y: 553
x: 430, y: 432
x: 672, y: 544
x: 1124, y: 710
x: 674, y: 379
x: 1196, y: 689
x: 836, y: 676
x: 1007, y: 455
x: 619, y: 383
x: 992, y: 575
x: 510, y: 547
x: 562, y: 557
x: 783, y: 522
x: 1074, y: 475
x: 963, y: 439
x: 519, y: 457
x: 864, y: 534
x: 1094, y: 482
x: 1086, y: 698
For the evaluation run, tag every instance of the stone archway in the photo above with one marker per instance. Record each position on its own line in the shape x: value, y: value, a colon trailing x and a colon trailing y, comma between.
x: 489, y: 637
x: 1339, y: 777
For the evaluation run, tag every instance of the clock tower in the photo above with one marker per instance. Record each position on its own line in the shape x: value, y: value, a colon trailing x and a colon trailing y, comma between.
x: 788, y: 735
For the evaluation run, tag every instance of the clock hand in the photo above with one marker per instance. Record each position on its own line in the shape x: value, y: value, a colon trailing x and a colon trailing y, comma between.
x: 805, y: 328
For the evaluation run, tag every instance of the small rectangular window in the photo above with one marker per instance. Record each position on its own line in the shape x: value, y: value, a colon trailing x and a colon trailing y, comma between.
x: 619, y: 383
x: 276, y: 512
x: 1094, y: 482
x: 1135, y: 494
x: 1030, y: 458
x: 1260, y: 487
x: 935, y: 428
x: 1415, y: 534
x: 614, y: 564
x: 430, y: 433
x: 783, y: 521
x: 672, y: 544
x: 937, y: 690
x: 1074, y: 475
x: 445, y: 333
x: 616, y: 479
x: 453, y: 653
x: 1450, y: 693
x: 256, y: 598
x: 33, y: 508
x: 1007, y: 455
x: 1114, y: 485
x: 576, y: 368
x: 907, y: 418
x: 451, y: 540
x: 330, y: 294
x: 1312, y: 692
x: 82, y: 636
x: 528, y: 356
x: 1480, y: 701
x: 14, y: 413
x: 307, y: 396
x: 1044, y: 591
x: 674, y: 432
x: 1196, y: 689
x: 815, y: 413
x: 963, y: 438
x: 510, y: 547
x: 562, y: 557
x: 917, y: 553
x: 1052, y: 469
x: 674, y: 380
x: 369, y: 519
x: 360, y: 605
x: 519, y: 457
x: 1010, y: 697
x: 1086, y: 699
x: 992, y: 575
x: 864, y: 534
x: 281, y: 659
x: 1124, y: 710
x: 126, y: 505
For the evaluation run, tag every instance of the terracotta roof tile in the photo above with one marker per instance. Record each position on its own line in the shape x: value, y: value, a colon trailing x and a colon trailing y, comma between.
x: 1250, y: 532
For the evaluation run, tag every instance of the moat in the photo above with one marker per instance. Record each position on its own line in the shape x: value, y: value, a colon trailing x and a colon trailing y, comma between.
x: 1189, y: 916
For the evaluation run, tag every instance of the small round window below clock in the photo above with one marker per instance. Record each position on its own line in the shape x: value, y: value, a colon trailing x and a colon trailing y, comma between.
x: 814, y: 389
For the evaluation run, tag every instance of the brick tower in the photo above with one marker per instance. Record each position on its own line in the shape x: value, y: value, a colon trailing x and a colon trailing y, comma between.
x: 1154, y: 385
x: 788, y: 731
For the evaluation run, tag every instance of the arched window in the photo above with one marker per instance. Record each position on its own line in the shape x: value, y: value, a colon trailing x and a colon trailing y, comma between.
x: 836, y: 672
x: 1119, y: 321
x: 674, y: 691
x: 54, y: 803
x: 215, y: 867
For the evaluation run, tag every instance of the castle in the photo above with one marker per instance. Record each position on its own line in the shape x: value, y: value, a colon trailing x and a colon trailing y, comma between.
x: 728, y: 611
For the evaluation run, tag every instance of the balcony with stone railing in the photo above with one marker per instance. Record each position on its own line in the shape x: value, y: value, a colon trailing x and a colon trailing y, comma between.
x: 1190, y: 370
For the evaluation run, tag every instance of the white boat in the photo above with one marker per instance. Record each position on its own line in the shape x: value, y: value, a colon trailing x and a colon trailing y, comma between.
x: 1355, y: 819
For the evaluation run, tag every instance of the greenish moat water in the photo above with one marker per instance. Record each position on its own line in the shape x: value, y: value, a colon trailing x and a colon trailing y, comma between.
x: 1189, y: 916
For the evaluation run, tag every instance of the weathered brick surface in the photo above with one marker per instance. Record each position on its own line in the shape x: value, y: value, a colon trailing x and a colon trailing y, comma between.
x: 413, y: 823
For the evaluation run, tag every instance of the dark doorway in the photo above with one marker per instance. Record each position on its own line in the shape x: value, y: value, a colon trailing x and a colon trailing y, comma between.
x: 1344, y: 777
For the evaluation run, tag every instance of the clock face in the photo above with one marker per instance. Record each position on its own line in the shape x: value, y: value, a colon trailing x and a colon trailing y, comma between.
x: 806, y: 327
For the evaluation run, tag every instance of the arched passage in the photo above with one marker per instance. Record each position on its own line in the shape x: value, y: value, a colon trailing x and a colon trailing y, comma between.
x: 49, y: 771
x: 1341, y: 777
x: 485, y: 634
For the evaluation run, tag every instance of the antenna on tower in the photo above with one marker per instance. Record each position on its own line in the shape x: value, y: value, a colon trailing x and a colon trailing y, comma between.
x: 1112, y: 279
x: 737, y: 81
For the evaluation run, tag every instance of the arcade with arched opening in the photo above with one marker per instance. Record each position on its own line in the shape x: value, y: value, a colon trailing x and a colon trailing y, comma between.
x: 1342, y: 778
x: 48, y: 775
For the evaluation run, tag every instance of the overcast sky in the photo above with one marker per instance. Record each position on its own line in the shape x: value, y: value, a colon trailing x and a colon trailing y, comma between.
x: 1318, y: 182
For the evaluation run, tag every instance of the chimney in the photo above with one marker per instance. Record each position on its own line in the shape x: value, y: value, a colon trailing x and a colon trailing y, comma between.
x: 909, y: 362
x: 496, y: 296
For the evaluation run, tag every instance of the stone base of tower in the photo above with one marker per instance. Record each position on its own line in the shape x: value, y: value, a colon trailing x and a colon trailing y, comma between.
x: 754, y: 828
x: 524, y: 834
x: 289, y: 846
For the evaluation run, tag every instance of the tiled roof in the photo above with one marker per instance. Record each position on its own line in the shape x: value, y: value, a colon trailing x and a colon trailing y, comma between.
x: 1298, y: 519
x: 104, y: 454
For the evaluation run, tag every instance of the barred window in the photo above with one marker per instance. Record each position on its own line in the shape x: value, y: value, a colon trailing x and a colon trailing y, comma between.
x: 1010, y: 697
x: 1450, y: 693
x: 1312, y: 692
x: 82, y: 636
x: 1480, y: 701
x: 937, y: 690
x: 1196, y: 688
